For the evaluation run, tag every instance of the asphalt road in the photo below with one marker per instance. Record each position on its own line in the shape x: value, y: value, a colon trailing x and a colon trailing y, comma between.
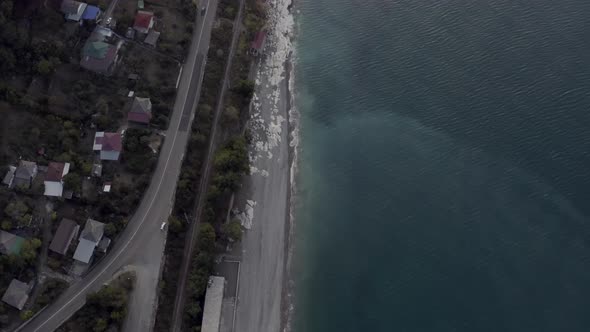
x: 141, y: 244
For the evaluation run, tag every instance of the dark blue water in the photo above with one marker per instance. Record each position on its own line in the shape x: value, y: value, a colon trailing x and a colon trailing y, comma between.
x: 445, y: 166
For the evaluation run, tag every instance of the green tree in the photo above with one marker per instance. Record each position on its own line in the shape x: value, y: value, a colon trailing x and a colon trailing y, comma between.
x: 245, y: 88
x: 45, y: 67
x: 26, y: 314
x: 73, y: 181
x: 175, y: 225
x: 231, y: 115
x: 100, y: 325
x: 206, y: 237
x: 28, y: 251
x: 232, y: 230
x: 6, y: 225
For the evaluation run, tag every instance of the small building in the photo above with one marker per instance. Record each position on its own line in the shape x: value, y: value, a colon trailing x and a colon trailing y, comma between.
x: 73, y: 10
x: 10, y: 244
x: 152, y: 38
x: 109, y: 145
x: 91, y: 13
x: 66, y: 232
x: 24, y: 175
x: 9, y: 176
x: 89, y: 238
x: 130, y: 33
x: 144, y: 21
x: 98, y: 56
x: 54, y: 183
x: 104, y: 244
x: 96, y: 170
x: 257, y: 45
x: 141, y: 111
x: 213, y: 302
x: 106, y: 188
x: 17, y: 294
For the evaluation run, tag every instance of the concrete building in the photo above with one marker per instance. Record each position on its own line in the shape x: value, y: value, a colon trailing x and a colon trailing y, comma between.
x: 213, y: 302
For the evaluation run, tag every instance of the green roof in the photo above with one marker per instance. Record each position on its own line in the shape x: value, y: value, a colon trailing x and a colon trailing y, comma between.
x: 10, y: 243
x: 96, y: 49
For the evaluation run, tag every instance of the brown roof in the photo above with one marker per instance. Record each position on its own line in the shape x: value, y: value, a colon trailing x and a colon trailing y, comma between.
x: 258, y: 41
x: 66, y: 231
x: 54, y: 172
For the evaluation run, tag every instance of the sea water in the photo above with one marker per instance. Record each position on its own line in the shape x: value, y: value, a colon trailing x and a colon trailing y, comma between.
x: 444, y: 179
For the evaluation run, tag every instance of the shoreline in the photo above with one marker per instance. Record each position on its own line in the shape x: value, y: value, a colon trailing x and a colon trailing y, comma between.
x: 264, y: 287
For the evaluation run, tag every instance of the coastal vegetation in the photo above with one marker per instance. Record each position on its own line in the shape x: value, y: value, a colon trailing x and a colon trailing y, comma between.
x: 230, y: 164
x: 105, y: 309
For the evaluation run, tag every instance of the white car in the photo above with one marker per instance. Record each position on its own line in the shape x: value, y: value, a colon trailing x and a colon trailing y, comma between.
x: 163, y: 226
x: 109, y: 20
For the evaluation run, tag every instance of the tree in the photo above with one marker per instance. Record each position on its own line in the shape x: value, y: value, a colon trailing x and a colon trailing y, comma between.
x: 73, y: 181
x: 6, y: 225
x: 45, y: 67
x: 28, y: 251
x: 17, y: 210
x: 175, y: 225
x: 206, y: 237
x: 100, y: 325
x: 231, y: 115
x: 232, y: 230
x: 245, y: 88
x: 26, y: 315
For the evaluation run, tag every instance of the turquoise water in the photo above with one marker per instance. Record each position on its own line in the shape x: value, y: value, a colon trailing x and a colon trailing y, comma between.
x: 444, y: 181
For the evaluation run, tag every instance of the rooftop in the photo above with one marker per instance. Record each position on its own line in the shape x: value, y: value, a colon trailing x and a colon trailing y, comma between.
x: 213, y: 301
x: 17, y: 294
x: 143, y: 20
x: 63, y: 236
x: 107, y: 141
x: 10, y: 243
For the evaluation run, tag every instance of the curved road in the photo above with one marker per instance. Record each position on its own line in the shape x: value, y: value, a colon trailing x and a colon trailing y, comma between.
x: 141, y: 244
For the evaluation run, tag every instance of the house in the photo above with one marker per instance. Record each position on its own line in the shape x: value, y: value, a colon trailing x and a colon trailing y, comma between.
x: 109, y: 145
x: 9, y: 176
x: 99, y: 54
x: 144, y: 21
x: 17, y: 294
x: 258, y: 43
x: 104, y: 244
x: 66, y: 232
x: 152, y: 38
x: 73, y: 10
x: 10, y: 244
x: 54, y: 178
x: 89, y: 238
x: 91, y: 13
x: 24, y: 175
x: 96, y: 170
x: 141, y: 111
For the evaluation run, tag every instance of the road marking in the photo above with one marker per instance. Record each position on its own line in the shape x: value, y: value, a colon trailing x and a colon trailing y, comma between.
x: 152, y: 201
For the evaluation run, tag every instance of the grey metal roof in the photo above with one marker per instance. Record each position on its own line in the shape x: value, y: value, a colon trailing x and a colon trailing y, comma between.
x: 9, y: 176
x: 84, y: 250
x: 93, y: 231
x: 213, y: 302
x: 66, y: 231
x: 17, y: 294
x: 141, y: 105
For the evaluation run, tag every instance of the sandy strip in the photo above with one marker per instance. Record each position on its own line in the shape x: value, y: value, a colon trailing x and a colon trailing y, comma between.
x: 264, y: 201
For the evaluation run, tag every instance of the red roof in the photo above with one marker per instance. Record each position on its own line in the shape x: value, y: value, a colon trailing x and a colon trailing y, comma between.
x: 54, y: 171
x: 110, y: 142
x: 140, y: 117
x: 258, y: 41
x: 143, y: 19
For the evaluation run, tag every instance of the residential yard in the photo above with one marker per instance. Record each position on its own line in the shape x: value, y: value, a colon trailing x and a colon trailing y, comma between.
x: 51, y: 108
